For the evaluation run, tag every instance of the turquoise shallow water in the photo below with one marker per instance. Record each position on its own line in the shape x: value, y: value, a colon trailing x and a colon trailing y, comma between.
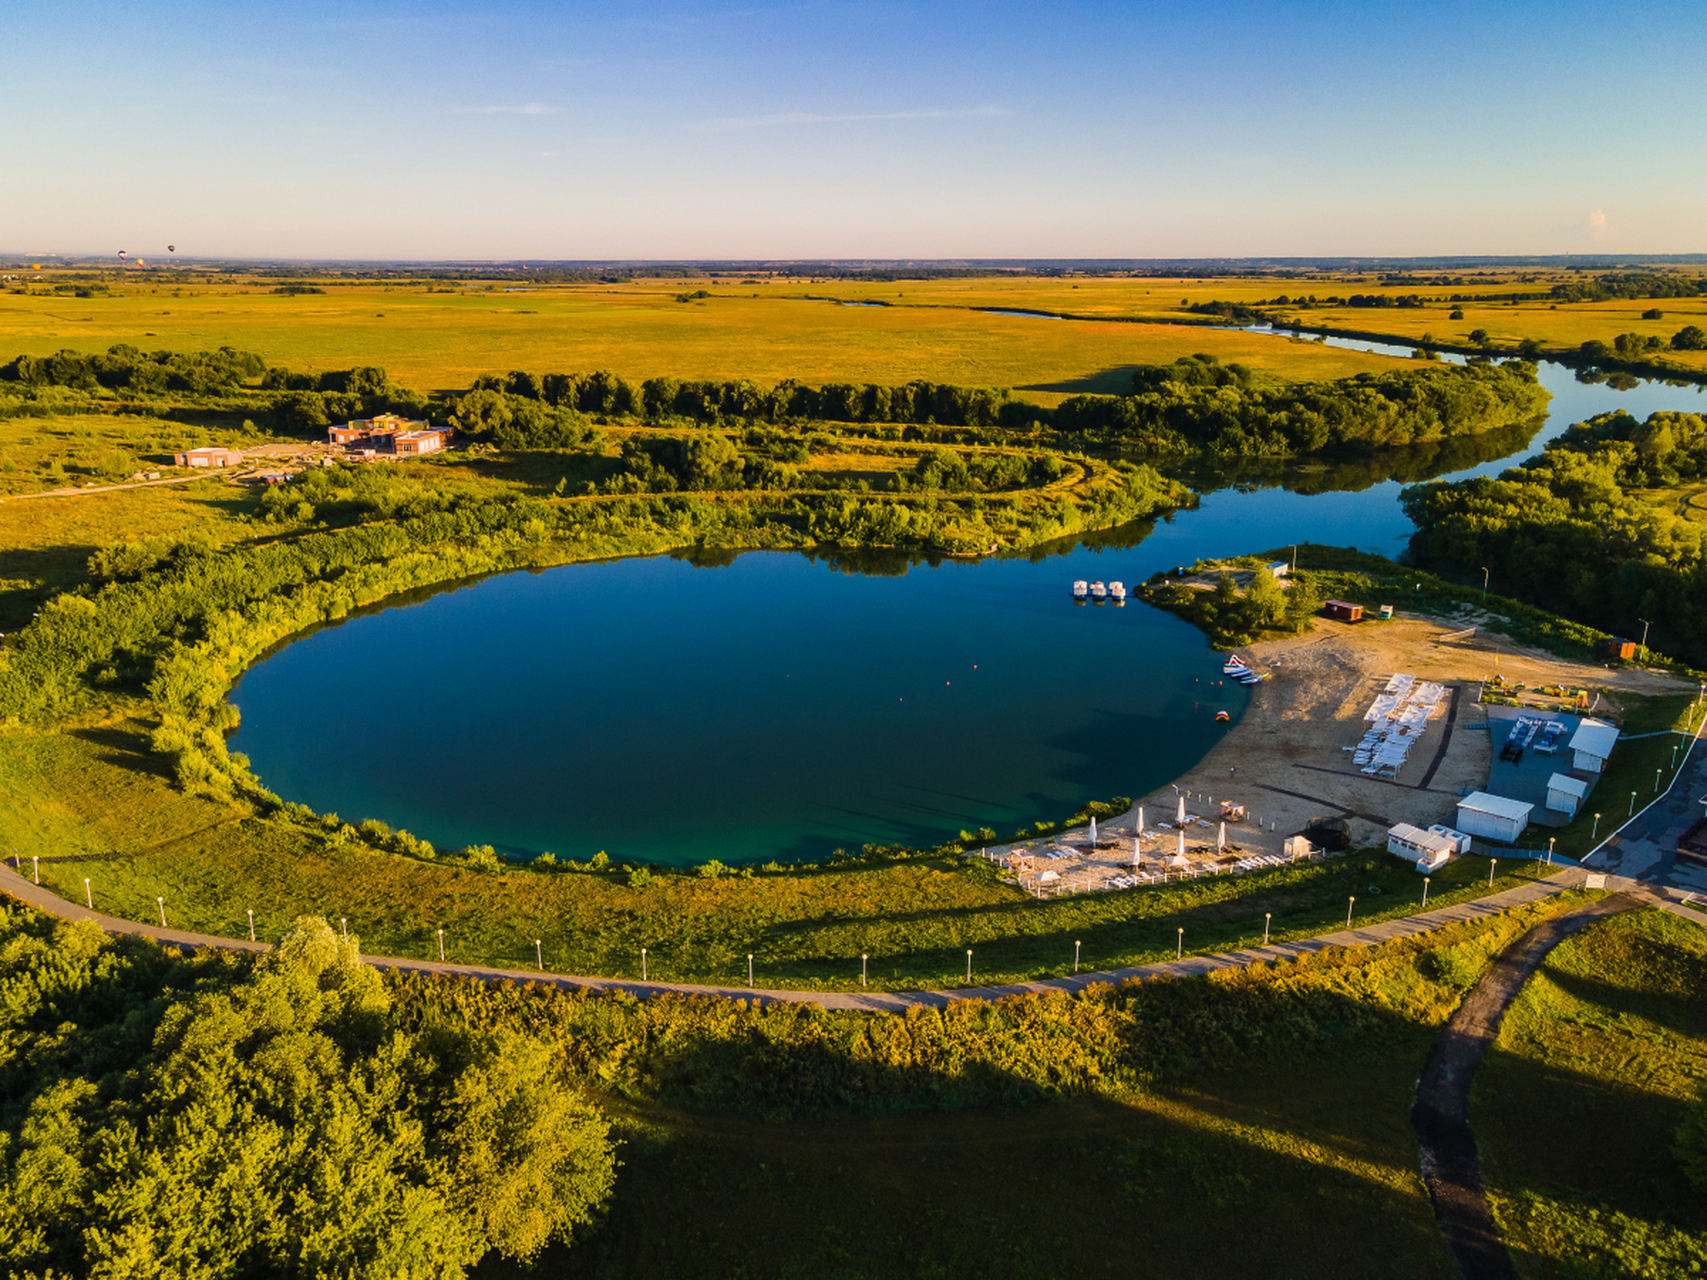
x: 781, y: 706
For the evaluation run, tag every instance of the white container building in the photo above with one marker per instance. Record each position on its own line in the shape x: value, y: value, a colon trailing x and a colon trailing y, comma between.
x: 1493, y: 817
x: 1565, y: 793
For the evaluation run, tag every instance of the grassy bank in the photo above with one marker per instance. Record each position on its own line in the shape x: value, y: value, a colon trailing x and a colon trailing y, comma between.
x: 97, y: 802
x: 1578, y: 1108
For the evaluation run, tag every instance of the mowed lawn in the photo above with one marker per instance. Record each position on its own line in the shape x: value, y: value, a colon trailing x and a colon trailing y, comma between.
x: 443, y: 340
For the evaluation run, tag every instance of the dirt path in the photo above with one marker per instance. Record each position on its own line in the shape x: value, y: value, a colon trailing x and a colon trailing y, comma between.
x: 1440, y: 1114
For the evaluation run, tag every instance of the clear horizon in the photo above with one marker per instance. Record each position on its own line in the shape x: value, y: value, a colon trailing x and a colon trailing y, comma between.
x: 646, y: 132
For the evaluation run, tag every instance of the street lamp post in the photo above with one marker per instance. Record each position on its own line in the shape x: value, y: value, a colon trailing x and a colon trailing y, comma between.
x: 1551, y: 841
x: 441, y: 946
x: 1075, y: 957
x: 969, y: 964
x: 1492, y: 864
x: 251, y: 924
x: 161, y: 903
x: 88, y: 893
x: 1267, y: 916
x: 1179, y: 945
x: 538, y: 955
x: 862, y: 961
x: 1632, y: 812
x: 1645, y: 625
x: 1657, y: 773
x: 1348, y: 906
x: 1425, y: 891
x: 749, y: 968
x: 643, y: 964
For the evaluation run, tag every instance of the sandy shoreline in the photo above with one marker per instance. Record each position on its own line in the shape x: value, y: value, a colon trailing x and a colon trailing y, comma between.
x: 1285, y: 759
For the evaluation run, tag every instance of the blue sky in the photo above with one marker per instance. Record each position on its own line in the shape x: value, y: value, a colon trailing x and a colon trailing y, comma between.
x: 851, y: 129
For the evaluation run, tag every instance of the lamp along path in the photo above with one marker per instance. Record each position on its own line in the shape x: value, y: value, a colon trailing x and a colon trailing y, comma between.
x: 20, y: 887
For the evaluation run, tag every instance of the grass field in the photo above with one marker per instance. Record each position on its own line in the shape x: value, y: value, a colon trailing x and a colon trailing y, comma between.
x: 1577, y: 1108
x: 431, y: 337
x: 438, y: 340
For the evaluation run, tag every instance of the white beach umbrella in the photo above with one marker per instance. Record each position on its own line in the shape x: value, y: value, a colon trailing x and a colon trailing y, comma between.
x: 1093, y: 830
x: 1221, y: 838
x: 1140, y: 821
x: 1181, y: 809
x: 1182, y: 844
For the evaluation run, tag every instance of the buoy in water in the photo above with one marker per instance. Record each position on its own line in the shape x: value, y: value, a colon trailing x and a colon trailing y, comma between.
x: 1222, y: 717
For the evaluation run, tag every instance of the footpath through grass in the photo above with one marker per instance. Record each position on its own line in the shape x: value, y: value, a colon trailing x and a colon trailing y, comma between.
x: 1577, y: 1109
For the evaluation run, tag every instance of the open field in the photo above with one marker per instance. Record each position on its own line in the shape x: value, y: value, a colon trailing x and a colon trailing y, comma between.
x: 767, y: 329
x: 1577, y: 1107
x: 440, y: 340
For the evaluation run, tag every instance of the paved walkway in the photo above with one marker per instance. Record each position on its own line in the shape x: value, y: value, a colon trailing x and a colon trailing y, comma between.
x: 21, y: 888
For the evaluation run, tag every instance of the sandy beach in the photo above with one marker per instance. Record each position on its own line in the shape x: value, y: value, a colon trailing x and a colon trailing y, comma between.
x: 1286, y: 759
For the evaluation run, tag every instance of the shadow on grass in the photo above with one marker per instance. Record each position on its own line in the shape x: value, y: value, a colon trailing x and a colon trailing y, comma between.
x: 770, y: 1145
x: 125, y: 749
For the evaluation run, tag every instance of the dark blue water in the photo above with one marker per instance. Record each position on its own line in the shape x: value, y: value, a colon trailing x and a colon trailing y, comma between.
x: 771, y: 708
x: 777, y: 707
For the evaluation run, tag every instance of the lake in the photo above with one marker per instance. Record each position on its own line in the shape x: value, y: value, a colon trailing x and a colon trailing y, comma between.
x: 782, y: 705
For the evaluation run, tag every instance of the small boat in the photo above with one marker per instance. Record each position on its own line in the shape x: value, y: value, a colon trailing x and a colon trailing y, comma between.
x: 1117, y: 590
x: 1099, y: 591
x: 1081, y: 589
x: 1235, y: 666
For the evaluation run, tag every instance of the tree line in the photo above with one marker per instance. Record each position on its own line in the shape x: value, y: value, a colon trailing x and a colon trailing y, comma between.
x: 1571, y: 530
x: 1199, y: 403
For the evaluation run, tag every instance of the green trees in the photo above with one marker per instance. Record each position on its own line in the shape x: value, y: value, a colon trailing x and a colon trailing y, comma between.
x: 1689, y: 338
x: 1568, y: 532
x: 1196, y: 404
x: 210, y: 1118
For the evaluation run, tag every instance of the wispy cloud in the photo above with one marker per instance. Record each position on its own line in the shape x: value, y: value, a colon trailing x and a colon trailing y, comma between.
x: 794, y: 119
x: 1599, y: 228
x: 525, y: 109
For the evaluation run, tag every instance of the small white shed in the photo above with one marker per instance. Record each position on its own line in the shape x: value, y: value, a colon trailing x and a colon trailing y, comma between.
x: 1592, y: 744
x: 1278, y: 568
x: 1565, y: 793
x: 1495, y: 817
x: 1428, y: 849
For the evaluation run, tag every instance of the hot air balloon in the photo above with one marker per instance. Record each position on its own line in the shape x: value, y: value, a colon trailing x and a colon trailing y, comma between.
x: 171, y: 248
x: 121, y: 253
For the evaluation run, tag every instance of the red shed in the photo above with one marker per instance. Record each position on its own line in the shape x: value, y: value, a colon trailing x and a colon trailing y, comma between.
x: 1343, y: 610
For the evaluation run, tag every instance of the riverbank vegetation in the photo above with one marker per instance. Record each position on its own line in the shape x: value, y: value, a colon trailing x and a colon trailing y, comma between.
x: 1199, y: 403
x: 1605, y: 524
